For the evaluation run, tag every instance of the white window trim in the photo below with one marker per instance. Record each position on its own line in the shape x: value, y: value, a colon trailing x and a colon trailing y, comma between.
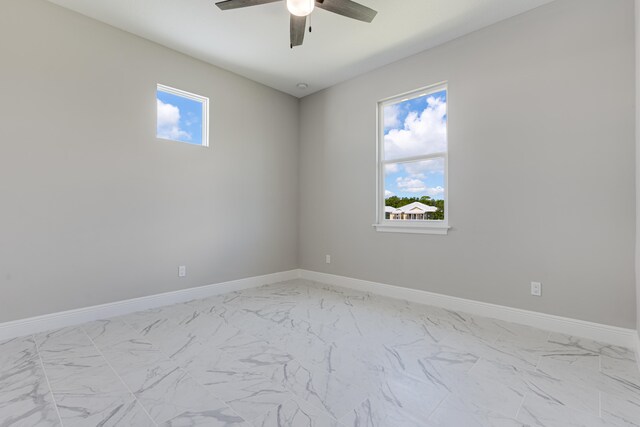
x: 407, y: 226
x: 205, y: 112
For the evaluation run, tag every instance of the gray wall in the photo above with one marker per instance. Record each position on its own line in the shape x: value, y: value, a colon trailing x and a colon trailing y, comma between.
x: 541, y: 125
x: 93, y: 208
x: 637, y: 15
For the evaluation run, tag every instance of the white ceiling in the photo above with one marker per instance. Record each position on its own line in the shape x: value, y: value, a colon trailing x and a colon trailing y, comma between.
x: 254, y: 41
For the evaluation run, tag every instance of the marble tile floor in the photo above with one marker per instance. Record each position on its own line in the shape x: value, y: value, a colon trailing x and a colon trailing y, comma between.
x: 304, y: 354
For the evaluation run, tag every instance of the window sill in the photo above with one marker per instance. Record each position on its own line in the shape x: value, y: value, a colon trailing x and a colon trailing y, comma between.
x: 414, y: 228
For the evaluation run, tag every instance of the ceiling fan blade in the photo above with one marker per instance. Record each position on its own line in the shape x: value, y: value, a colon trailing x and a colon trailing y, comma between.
x: 235, y: 4
x: 298, y: 27
x: 348, y: 8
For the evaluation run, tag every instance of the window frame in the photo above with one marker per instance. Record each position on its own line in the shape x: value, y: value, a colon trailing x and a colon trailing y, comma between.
x: 409, y: 226
x: 193, y: 97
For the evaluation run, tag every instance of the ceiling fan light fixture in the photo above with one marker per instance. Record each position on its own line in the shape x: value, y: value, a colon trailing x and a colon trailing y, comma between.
x: 301, y: 7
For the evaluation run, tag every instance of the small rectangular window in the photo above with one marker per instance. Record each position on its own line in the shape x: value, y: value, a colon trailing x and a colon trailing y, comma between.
x: 413, y: 161
x: 182, y: 116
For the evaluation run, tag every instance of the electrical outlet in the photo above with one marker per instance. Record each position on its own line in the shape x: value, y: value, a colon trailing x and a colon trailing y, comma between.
x: 536, y: 289
x: 182, y: 271
x: 328, y: 259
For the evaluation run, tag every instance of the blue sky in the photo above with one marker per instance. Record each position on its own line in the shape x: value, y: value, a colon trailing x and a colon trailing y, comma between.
x: 416, y: 179
x: 179, y: 119
x: 416, y: 127
x: 403, y: 109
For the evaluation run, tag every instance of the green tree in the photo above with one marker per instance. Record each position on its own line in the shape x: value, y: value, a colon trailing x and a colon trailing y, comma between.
x: 393, y: 201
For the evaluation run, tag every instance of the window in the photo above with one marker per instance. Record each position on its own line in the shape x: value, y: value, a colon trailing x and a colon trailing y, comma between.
x: 412, y: 162
x: 182, y: 116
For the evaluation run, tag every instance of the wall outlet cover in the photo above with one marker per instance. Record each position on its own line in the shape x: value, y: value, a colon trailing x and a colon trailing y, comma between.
x: 536, y: 289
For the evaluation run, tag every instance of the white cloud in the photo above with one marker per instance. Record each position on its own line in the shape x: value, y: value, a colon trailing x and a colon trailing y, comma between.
x: 436, y: 192
x: 422, y: 133
x: 415, y: 176
x: 411, y: 185
x: 391, y: 116
x: 169, y: 122
x: 421, y: 168
x: 391, y: 168
x: 388, y: 194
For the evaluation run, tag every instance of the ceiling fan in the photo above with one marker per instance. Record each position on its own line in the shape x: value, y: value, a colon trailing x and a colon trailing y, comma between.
x: 300, y: 9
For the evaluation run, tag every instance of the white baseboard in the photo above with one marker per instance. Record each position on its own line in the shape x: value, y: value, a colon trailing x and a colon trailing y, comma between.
x: 580, y: 328
x: 63, y: 319
x: 599, y: 332
x: 638, y: 349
